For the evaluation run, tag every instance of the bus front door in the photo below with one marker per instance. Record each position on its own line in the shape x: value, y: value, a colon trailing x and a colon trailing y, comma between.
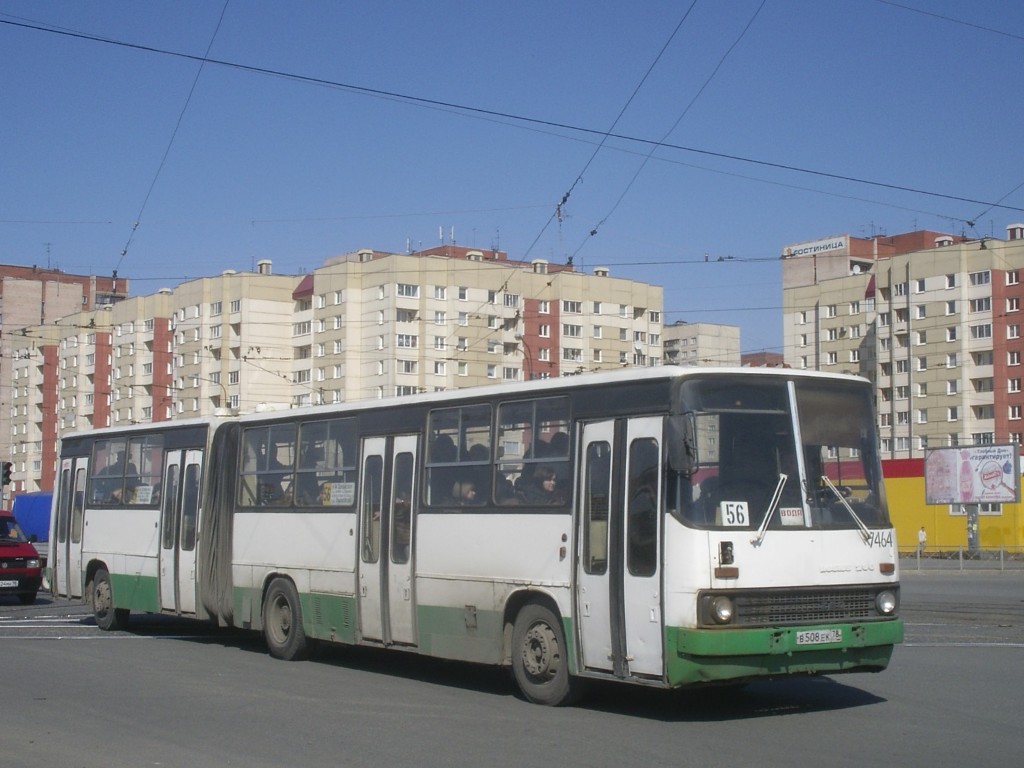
x: 618, y: 580
x: 386, y: 535
x: 66, y: 554
x: 179, y: 517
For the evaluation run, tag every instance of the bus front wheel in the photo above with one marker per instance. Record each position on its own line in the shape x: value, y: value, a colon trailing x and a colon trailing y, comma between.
x: 539, y: 659
x: 282, y: 622
x: 108, y: 618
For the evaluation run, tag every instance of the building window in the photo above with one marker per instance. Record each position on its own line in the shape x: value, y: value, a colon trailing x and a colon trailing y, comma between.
x: 1012, y: 277
x: 981, y: 305
x: 409, y: 290
x: 1013, y: 331
x: 980, y: 278
x: 981, y: 331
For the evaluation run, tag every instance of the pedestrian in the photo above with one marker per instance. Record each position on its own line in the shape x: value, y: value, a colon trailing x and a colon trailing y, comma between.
x: 922, y: 541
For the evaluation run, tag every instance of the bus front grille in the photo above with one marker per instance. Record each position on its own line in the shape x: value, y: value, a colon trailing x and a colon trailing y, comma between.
x: 803, y: 606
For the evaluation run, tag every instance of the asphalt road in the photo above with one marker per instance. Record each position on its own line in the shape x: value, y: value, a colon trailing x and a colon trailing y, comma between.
x: 174, y: 693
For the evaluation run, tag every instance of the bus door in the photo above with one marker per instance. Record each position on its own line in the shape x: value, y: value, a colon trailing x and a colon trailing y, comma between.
x: 179, y: 516
x: 618, y: 580
x: 386, y: 527
x: 66, y: 554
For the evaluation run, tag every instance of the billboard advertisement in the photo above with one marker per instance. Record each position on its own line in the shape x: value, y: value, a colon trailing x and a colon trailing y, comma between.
x: 981, y: 474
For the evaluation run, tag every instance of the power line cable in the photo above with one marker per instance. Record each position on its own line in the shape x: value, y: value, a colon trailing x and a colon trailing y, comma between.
x: 422, y: 101
x: 952, y: 20
x: 675, y: 125
x: 170, y: 143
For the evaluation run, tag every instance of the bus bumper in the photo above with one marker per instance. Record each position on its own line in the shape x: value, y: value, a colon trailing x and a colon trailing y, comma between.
x: 713, y: 655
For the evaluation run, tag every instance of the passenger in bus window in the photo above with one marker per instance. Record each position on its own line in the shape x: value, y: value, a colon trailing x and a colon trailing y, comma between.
x: 542, y: 488
x: 464, y: 492
x: 272, y: 482
x: 308, y: 490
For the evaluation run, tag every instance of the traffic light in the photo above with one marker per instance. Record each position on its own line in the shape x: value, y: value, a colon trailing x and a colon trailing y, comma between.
x: 5, y: 473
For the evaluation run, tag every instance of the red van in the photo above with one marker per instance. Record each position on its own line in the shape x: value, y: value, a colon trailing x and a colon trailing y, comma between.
x: 20, y: 573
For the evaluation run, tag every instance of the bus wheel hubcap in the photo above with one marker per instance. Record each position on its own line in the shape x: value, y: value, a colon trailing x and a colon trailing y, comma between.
x: 539, y: 651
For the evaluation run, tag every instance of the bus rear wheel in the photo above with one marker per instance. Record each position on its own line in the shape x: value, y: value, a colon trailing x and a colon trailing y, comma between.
x: 540, y: 662
x: 108, y: 618
x: 282, y: 622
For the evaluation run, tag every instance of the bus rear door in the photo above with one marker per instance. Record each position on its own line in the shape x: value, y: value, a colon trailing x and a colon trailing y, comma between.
x: 66, y: 549
x: 386, y: 535
x: 179, y: 517
x: 618, y: 580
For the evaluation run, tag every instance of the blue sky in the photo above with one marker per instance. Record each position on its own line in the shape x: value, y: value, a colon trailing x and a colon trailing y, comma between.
x: 265, y: 153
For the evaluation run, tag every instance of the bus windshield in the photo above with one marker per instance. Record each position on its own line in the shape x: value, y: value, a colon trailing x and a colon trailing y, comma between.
x: 777, y: 455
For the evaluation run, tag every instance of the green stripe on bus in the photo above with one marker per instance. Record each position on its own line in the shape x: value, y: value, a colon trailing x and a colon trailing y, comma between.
x: 460, y: 633
x: 702, y: 655
x: 135, y: 592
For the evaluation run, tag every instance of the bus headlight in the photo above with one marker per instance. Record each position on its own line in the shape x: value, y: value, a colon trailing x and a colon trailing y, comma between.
x: 885, y: 602
x: 721, y: 609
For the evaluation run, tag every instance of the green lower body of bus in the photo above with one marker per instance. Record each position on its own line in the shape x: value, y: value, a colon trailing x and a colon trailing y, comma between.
x: 695, y: 656
x: 692, y: 656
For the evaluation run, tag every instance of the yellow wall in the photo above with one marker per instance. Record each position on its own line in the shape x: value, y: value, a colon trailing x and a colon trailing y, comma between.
x: 947, y: 532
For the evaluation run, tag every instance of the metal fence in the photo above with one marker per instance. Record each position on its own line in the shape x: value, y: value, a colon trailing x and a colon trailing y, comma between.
x: 962, y: 558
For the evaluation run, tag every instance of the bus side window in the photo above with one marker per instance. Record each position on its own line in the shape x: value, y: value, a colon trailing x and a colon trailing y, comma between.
x: 642, y: 507
x: 373, y: 487
x: 190, y: 507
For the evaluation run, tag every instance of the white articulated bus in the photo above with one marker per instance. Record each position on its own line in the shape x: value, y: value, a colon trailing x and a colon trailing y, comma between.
x: 667, y: 527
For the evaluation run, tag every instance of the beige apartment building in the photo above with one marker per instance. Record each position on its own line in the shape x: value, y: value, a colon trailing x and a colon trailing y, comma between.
x: 366, y: 324
x: 932, y: 319
x: 701, y: 344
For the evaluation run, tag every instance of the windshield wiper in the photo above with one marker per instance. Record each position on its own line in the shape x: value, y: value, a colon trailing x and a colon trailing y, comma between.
x: 756, y: 541
x: 864, y: 530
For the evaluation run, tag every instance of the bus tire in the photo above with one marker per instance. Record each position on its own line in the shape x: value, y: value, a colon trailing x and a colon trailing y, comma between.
x: 108, y: 618
x: 282, y: 622
x: 540, y: 661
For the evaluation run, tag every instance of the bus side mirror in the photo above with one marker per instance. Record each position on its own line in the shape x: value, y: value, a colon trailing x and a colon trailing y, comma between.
x: 682, y: 444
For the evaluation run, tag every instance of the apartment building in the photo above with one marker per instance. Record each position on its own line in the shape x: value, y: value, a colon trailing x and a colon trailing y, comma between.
x: 701, y: 344
x: 933, y: 319
x: 32, y: 299
x: 366, y: 324
x: 371, y: 324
